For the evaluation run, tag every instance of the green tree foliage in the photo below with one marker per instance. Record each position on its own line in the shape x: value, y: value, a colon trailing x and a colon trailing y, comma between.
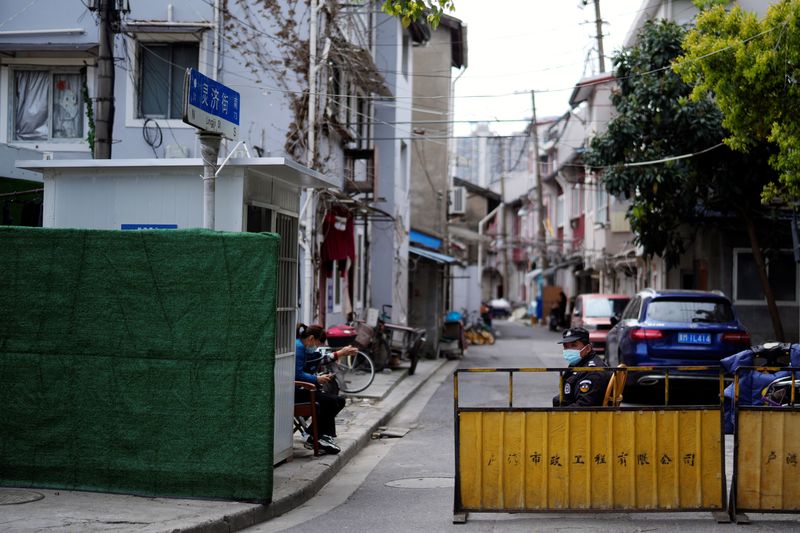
x: 751, y: 68
x: 411, y: 10
x: 656, y: 121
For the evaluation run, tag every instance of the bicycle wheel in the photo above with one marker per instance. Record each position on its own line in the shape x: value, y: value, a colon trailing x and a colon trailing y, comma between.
x: 354, y: 372
x: 380, y: 351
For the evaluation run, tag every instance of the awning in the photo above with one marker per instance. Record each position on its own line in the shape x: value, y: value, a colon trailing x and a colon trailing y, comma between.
x: 433, y: 256
x: 533, y: 274
x: 259, y: 168
x: 429, y: 241
x: 88, y: 50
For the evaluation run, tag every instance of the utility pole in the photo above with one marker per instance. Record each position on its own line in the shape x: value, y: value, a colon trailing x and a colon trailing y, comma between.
x: 104, y: 115
x: 312, y: 84
x: 540, y: 236
x: 308, y: 221
x: 209, y: 150
x: 598, y: 21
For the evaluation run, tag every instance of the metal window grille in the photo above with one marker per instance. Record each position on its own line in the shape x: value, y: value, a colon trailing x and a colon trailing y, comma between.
x: 286, y: 227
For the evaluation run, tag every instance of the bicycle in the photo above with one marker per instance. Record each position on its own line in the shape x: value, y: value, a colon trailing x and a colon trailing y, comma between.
x: 403, y: 342
x: 352, y: 373
x: 406, y: 344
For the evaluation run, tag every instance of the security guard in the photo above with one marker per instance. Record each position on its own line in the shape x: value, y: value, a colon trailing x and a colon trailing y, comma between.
x: 581, y: 389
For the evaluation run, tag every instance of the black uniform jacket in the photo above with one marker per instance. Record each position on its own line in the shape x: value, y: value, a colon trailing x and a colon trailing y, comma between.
x: 584, y: 389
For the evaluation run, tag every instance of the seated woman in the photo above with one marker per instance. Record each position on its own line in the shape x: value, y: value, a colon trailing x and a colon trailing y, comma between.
x: 307, y: 361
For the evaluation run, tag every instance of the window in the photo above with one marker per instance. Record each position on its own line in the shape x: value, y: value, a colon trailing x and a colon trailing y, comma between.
x: 335, y: 90
x: 47, y: 105
x: 560, y: 211
x: 631, y: 311
x: 162, y: 67
x: 604, y: 307
x: 335, y: 288
x: 337, y: 294
x: 406, y: 54
x: 576, y: 200
x: 781, y: 272
x: 358, y: 276
x: 601, y: 204
x: 350, y: 109
x: 690, y: 311
x: 363, y: 128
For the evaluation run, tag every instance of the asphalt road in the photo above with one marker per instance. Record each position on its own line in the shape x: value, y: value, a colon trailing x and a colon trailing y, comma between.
x: 406, y: 484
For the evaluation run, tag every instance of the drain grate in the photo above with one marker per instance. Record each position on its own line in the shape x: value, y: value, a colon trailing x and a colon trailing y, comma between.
x: 16, y: 496
x: 422, y: 483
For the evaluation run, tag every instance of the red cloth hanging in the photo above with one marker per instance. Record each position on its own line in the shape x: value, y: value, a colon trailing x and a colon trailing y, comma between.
x: 338, y: 239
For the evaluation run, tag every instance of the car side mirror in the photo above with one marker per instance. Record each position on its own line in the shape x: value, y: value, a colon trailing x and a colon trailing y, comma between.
x: 615, y: 320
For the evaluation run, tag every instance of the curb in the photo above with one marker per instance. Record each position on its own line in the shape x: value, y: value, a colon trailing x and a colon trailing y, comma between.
x: 262, y: 513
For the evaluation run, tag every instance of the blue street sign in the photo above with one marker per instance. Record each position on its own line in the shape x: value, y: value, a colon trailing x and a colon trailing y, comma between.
x: 148, y: 226
x: 210, y: 105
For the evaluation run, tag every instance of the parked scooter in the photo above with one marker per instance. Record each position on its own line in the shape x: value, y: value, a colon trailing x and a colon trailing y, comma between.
x: 452, y: 341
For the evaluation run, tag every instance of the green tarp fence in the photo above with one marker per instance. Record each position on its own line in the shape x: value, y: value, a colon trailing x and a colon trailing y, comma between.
x: 138, y: 361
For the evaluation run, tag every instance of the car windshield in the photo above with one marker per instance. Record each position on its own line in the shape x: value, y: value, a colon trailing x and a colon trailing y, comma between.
x: 710, y: 311
x: 604, y: 307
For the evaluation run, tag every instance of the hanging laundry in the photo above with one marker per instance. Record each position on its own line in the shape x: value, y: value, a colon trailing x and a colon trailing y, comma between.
x: 338, y: 242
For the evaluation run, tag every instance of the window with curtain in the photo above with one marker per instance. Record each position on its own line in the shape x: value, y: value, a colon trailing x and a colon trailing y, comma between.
x: 162, y: 67
x: 47, y: 105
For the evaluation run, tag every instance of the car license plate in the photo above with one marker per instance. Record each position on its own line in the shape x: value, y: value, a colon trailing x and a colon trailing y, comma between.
x: 694, y: 338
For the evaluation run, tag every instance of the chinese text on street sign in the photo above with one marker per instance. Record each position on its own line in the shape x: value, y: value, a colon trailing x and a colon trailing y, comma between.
x: 210, y: 106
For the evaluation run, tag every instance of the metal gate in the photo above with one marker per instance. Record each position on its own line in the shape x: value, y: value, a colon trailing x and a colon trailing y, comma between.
x: 512, y: 459
x: 766, y: 474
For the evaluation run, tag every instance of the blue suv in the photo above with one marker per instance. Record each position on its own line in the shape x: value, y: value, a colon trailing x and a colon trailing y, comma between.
x: 675, y: 328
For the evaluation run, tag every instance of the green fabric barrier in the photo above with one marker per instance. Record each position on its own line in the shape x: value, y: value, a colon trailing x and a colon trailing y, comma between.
x: 138, y: 361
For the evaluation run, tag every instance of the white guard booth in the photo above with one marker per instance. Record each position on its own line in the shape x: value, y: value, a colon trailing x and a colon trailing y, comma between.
x: 253, y: 194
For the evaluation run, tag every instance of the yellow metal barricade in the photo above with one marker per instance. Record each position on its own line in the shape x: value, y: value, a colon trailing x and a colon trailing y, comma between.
x: 766, y: 474
x: 661, y: 458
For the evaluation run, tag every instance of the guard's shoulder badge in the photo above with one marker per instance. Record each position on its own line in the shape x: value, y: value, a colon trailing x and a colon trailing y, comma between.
x: 585, y: 386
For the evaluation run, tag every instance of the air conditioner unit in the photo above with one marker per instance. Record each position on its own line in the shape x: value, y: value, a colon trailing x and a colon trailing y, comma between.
x: 458, y: 201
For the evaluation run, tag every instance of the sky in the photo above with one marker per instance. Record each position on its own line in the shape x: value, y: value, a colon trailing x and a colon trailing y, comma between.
x: 518, y: 45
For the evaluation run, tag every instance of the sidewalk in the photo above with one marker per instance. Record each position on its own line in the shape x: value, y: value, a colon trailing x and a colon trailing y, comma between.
x: 294, y: 482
